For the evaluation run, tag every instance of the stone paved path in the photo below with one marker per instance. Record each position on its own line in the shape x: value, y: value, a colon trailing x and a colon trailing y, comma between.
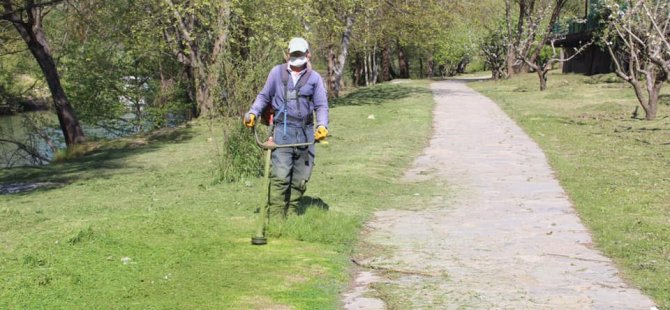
x: 509, y: 239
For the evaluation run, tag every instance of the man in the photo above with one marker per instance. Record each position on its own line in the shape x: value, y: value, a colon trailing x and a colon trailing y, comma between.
x: 294, y: 92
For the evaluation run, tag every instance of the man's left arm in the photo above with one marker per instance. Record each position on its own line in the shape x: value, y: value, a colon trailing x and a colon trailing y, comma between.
x: 320, y: 100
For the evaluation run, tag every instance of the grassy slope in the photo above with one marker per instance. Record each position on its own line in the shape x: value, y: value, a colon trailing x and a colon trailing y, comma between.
x: 142, y: 224
x: 616, y: 169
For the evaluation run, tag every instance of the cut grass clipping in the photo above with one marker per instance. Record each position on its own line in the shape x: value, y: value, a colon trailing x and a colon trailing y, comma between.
x: 146, y: 223
x: 614, y: 165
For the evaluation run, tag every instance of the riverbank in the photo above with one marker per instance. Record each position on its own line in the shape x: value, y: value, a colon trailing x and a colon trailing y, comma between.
x: 22, y: 106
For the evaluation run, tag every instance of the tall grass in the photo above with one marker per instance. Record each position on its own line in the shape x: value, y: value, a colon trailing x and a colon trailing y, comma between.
x: 241, y: 158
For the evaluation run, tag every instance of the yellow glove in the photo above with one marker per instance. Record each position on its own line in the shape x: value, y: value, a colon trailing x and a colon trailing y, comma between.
x: 249, y: 119
x: 321, y: 133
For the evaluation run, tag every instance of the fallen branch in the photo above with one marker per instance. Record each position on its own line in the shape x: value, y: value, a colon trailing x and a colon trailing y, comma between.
x: 578, y: 258
x: 402, y: 271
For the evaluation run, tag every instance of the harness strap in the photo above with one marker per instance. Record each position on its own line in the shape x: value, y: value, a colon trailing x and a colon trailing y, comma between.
x: 302, y: 81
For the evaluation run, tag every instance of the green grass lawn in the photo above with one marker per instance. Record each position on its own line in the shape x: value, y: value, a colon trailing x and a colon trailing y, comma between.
x: 615, y: 168
x: 142, y: 223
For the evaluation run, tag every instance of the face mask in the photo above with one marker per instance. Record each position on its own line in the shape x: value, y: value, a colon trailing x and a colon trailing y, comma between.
x: 297, y: 61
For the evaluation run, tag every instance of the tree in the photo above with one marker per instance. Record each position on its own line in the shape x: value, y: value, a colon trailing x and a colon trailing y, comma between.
x: 110, y: 63
x: 537, y: 19
x: 494, y: 50
x: 514, y: 34
x: 197, y: 33
x: 365, y: 44
x: 335, y: 23
x: 536, y: 34
x: 26, y: 17
x: 636, y: 38
x: 458, y: 45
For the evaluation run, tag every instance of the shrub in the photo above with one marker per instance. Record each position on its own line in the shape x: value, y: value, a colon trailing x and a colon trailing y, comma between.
x: 241, y: 158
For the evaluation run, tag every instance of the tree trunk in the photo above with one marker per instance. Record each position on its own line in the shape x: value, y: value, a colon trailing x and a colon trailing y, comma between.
x: 403, y: 65
x: 366, y: 69
x: 421, y: 67
x: 510, y: 46
x: 649, y: 103
x: 460, y: 68
x: 338, y: 69
x: 511, y: 59
x: 386, y: 62
x: 190, y: 92
x: 654, y: 93
x: 542, y: 74
x: 203, y: 95
x: 373, y: 67
x: 331, y: 70
x: 650, y: 114
x: 358, y: 69
x: 429, y: 68
x: 34, y: 36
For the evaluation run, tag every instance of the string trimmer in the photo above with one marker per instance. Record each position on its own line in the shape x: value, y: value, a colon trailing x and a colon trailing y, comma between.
x: 269, y: 145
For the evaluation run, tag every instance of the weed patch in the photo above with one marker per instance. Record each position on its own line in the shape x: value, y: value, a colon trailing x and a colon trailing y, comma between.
x: 240, y: 158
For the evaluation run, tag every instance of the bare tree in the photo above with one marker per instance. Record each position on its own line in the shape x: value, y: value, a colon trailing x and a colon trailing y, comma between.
x: 536, y: 33
x: 637, y: 40
x: 515, y: 34
x: 658, y: 48
x: 532, y: 44
x: 26, y: 16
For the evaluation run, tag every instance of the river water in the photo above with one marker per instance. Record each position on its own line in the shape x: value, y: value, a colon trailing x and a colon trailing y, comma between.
x: 13, y: 127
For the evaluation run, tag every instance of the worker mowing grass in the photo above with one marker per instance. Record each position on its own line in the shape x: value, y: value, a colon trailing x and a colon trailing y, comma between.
x: 294, y: 99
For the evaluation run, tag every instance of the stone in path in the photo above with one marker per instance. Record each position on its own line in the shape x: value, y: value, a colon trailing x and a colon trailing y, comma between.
x: 508, y: 239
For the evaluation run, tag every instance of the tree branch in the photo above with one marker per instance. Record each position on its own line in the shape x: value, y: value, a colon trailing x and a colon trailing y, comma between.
x: 9, y: 10
x: 26, y: 148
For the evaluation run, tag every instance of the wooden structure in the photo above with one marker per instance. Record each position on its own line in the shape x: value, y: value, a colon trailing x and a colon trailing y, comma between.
x: 593, y: 60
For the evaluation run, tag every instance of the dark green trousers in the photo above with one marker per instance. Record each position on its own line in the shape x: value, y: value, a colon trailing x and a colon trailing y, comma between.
x: 291, y: 169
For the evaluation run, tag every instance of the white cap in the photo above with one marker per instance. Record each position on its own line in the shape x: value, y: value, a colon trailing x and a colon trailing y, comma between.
x: 298, y: 45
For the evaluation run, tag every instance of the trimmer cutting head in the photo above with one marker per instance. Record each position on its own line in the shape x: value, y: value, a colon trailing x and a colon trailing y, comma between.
x: 259, y: 240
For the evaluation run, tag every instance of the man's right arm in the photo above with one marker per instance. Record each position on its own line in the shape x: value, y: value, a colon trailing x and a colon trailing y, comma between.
x: 265, y: 96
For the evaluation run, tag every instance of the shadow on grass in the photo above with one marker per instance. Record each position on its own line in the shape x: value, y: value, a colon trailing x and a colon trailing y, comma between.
x: 307, y: 202
x: 374, y: 95
x: 100, y: 163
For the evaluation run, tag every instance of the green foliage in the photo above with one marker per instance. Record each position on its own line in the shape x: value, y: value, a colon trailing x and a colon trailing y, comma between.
x: 494, y: 50
x: 109, y: 66
x: 477, y: 64
x: 457, y: 45
x: 93, y: 81
x: 241, y: 157
x: 16, y: 82
x: 546, y: 53
x: 242, y: 78
x: 462, y: 35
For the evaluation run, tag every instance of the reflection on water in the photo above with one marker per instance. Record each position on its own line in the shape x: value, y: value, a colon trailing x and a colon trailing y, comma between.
x: 16, y: 127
